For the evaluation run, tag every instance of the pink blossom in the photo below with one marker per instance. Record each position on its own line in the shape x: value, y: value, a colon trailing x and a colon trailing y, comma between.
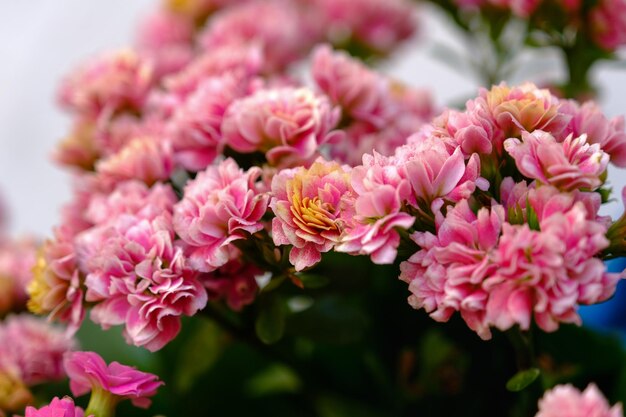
x: 609, y: 134
x: 473, y: 130
x: 287, y: 124
x: 222, y: 205
x: 379, y: 25
x: 380, y: 192
x: 566, y: 400
x: 281, y: 32
x: 108, y: 84
x: 57, y: 408
x: 88, y: 372
x: 137, y: 276
x: 35, y: 348
x: 573, y: 164
x: 148, y: 159
x: 196, y: 125
x: 447, y: 273
x: 608, y: 23
x: 313, y: 207
x: 79, y: 148
x: 234, y: 282
x: 17, y: 259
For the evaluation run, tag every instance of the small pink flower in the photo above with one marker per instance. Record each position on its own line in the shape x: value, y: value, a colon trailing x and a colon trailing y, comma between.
x: 287, y: 124
x: 57, y: 408
x: 379, y: 25
x: 573, y: 164
x: 88, y: 372
x: 565, y: 400
x: 609, y: 134
x: 281, y: 32
x: 472, y: 129
x: 196, y: 125
x: 148, y: 159
x: 107, y: 84
x: 17, y: 259
x: 223, y: 204
x: 608, y: 23
x: 35, y: 348
x: 234, y: 282
x: 313, y: 207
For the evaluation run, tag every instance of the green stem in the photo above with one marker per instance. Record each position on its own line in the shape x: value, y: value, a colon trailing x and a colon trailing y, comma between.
x: 101, y: 404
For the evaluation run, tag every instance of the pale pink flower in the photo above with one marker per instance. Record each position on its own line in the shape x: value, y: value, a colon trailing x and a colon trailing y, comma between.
x: 35, y: 348
x: 112, y: 135
x: 107, y: 84
x: 223, y: 204
x: 57, y: 408
x: 380, y: 192
x: 566, y: 400
x: 447, y: 273
x: 608, y: 23
x: 473, y: 129
x: 609, y: 134
x: 572, y: 164
x: 148, y: 159
x: 287, y: 124
x: 17, y: 259
x: 235, y: 282
x: 379, y: 25
x: 278, y: 27
x: 138, y: 277
x: 195, y: 126
x: 313, y: 207
x: 89, y: 372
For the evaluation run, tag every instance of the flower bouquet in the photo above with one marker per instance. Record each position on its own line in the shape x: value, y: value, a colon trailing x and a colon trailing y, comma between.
x: 253, y: 202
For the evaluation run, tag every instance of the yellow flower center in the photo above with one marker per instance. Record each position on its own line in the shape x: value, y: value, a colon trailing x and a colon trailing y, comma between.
x: 38, y: 288
x: 313, y: 215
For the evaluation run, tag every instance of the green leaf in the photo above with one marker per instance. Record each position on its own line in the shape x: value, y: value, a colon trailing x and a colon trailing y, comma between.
x: 522, y: 379
x: 270, y: 323
x: 275, y: 379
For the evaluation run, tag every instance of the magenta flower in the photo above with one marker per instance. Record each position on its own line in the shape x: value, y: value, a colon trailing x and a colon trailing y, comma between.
x: 235, y: 282
x: 34, y: 348
x: 608, y: 24
x: 138, y: 277
x: 57, y: 408
x: 110, y: 83
x: 88, y: 372
x: 573, y: 164
x: 287, y: 124
x: 223, y: 204
x: 313, y: 207
x: 565, y: 400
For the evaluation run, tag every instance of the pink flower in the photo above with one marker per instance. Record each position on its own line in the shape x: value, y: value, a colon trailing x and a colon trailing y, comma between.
x: 79, y: 148
x: 313, y: 207
x: 473, y: 130
x: 138, y: 277
x: 565, y: 400
x: 15, y: 394
x: 573, y: 164
x: 17, y: 259
x: 107, y: 84
x: 609, y: 134
x: 380, y: 192
x: 223, y: 204
x: 447, y: 273
x: 608, y: 23
x: 88, y: 372
x: 34, y: 348
x: 379, y: 25
x: 281, y: 32
x: 148, y: 159
x: 57, y: 408
x: 196, y: 125
x: 287, y: 124
x: 234, y: 282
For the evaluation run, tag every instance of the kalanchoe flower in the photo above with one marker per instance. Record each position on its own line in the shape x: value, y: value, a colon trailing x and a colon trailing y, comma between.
x: 223, y: 204
x: 63, y: 407
x: 313, y: 207
x: 17, y: 258
x: 108, y: 84
x: 572, y: 164
x: 235, y: 282
x: 287, y: 124
x: 566, y: 400
x: 112, y: 383
x: 138, y: 276
x: 608, y: 23
x: 34, y: 348
x: 374, y: 25
x: 79, y: 148
x: 14, y: 394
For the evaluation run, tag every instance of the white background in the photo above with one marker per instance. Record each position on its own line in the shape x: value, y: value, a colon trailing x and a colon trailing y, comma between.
x: 40, y: 40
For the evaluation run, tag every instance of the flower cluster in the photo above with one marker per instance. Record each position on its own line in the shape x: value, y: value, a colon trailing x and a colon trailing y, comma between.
x: 565, y: 400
